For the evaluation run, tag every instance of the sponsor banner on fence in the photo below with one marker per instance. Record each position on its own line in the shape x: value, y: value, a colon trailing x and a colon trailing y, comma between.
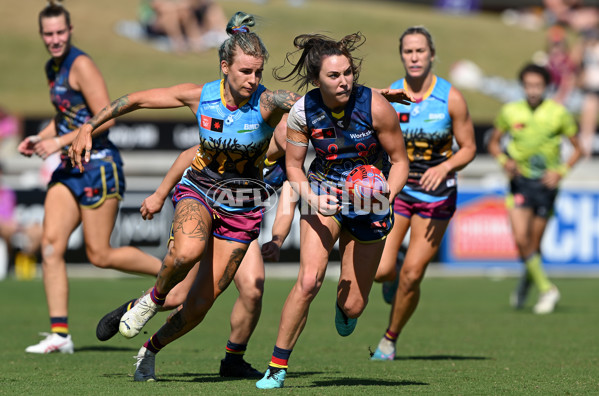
x: 480, y: 232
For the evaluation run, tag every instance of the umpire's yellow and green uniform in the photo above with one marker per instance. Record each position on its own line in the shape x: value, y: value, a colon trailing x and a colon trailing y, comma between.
x: 536, y: 137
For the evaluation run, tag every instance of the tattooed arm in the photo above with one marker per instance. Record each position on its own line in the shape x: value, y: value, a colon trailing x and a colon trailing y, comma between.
x: 273, y: 104
x: 159, y: 98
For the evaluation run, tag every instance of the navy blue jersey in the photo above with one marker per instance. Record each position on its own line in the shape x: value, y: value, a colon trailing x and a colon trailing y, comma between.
x: 72, y: 110
x: 342, y: 141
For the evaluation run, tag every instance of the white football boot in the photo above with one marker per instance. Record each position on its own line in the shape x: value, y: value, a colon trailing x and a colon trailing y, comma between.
x: 136, y: 318
x: 547, y: 301
x: 52, y: 343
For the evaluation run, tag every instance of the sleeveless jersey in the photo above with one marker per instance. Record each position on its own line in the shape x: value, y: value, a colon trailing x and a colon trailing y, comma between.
x: 427, y: 130
x: 71, y: 108
x: 341, y: 141
x: 535, y: 135
x: 233, y: 143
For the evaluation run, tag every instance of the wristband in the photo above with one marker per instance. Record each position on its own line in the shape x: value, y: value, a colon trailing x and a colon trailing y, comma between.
x: 502, y: 159
x: 57, y: 140
x: 563, y: 169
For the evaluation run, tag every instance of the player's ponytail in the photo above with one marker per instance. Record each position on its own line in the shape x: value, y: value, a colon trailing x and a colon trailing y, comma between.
x: 313, y: 48
x: 240, y: 37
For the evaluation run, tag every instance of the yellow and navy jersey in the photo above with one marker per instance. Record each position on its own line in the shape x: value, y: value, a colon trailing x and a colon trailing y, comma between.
x: 71, y: 108
x: 342, y: 140
x: 233, y: 142
x: 535, y: 134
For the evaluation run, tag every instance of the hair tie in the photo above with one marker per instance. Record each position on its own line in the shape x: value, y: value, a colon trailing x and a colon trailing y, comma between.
x: 240, y: 29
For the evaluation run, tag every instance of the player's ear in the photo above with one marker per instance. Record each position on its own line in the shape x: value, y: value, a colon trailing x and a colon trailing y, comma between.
x: 224, y: 67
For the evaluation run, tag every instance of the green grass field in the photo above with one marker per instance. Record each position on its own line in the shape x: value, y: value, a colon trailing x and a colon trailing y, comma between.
x: 129, y: 66
x: 463, y: 340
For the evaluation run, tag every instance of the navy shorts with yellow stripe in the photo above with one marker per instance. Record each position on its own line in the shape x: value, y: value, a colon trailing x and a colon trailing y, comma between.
x: 366, y: 228
x: 363, y: 226
x: 102, y: 178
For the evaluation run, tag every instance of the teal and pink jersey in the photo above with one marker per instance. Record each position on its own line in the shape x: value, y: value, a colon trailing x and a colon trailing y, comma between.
x: 227, y: 172
x: 428, y: 134
x: 233, y: 144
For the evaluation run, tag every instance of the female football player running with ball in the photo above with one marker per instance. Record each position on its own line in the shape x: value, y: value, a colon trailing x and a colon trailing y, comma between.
x: 349, y: 125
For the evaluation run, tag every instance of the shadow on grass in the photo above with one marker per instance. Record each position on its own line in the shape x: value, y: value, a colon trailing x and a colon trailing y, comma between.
x: 359, y: 382
x: 215, y: 378
x: 441, y: 357
x: 210, y: 377
x: 105, y: 348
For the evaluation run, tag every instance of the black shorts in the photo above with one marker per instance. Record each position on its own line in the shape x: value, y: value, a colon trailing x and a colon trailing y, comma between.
x: 531, y: 193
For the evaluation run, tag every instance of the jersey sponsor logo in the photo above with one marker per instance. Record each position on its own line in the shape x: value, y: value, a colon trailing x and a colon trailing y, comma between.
x: 361, y: 135
x: 319, y: 118
x: 327, y: 133
x: 436, y: 116
x: 250, y: 127
x: 212, y: 124
x: 403, y: 117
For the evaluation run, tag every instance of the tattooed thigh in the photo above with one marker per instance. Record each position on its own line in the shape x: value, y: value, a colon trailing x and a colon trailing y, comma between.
x: 231, y: 268
x: 189, y: 220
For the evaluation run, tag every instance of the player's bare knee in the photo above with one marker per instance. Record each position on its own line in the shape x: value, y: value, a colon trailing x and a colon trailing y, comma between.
x: 252, y: 291
x: 353, y: 308
x: 99, y: 257
x: 410, y: 280
x: 184, y: 261
x: 50, y: 253
x: 309, y: 285
x: 251, y: 296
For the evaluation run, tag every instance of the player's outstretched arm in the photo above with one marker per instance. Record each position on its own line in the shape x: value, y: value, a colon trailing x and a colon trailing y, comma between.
x: 158, y: 98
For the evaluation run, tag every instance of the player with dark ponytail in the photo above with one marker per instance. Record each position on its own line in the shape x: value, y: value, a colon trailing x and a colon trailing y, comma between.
x: 348, y: 125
